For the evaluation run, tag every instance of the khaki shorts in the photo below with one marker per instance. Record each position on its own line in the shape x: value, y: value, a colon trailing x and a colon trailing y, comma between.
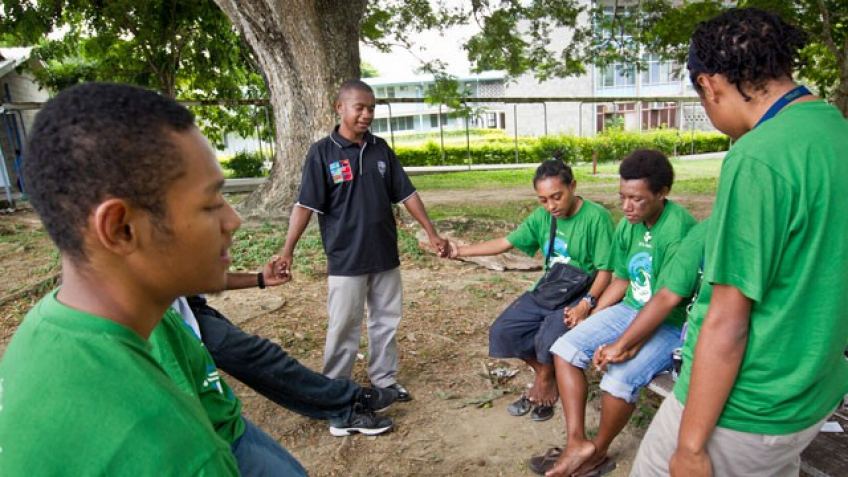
x: 732, y: 453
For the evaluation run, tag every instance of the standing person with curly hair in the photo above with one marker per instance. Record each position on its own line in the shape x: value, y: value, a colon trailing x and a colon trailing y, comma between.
x: 763, y: 360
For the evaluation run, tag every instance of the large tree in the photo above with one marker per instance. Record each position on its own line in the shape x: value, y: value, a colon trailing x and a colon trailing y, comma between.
x: 185, y: 49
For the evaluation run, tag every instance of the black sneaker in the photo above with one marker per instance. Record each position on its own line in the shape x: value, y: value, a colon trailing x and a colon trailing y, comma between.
x: 402, y: 394
x: 362, y: 421
x: 377, y: 399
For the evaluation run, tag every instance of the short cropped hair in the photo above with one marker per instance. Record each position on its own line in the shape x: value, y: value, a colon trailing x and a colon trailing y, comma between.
x: 650, y: 165
x: 100, y: 140
x: 554, y: 168
x: 748, y: 46
x: 354, y: 85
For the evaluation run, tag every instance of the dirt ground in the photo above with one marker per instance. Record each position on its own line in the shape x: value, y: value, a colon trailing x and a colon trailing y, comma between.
x: 457, y: 422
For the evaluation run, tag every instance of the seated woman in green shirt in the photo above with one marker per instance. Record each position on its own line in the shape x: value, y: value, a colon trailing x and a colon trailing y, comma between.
x: 583, y: 236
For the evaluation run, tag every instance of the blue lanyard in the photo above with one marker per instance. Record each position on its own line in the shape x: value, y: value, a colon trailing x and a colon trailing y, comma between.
x: 781, y: 103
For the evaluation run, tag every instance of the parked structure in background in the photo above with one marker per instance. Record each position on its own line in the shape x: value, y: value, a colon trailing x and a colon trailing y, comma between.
x: 16, y: 86
x: 652, y: 78
x: 423, y: 117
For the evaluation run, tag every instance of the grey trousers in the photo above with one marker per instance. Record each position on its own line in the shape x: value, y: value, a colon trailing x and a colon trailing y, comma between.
x: 347, y: 299
x: 732, y: 453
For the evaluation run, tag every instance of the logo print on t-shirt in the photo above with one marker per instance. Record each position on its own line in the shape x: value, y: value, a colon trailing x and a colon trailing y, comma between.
x: 340, y: 170
x: 639, y: 269
x: 560, y: 254
x: 381, y: 166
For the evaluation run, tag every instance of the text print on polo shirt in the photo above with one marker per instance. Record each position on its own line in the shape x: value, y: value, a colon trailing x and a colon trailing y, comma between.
x: 340, y: 170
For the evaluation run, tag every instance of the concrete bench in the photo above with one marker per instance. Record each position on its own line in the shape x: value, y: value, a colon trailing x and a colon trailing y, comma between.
x: 826, y: 456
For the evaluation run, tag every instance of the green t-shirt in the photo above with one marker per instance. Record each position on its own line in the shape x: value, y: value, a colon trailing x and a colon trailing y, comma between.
x: 81, y: 395
x: 639, y: 254
x: 187, y: 361
x: 777, y: 234
x: 682, y: 275
x: 582, y: 240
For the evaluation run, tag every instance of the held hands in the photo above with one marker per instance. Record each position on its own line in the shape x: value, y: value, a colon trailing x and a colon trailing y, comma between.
x: 278, y: 270
x: 453, y: 250
x: 440, y: 245
x: 572, y: 316
x: 612, y: 353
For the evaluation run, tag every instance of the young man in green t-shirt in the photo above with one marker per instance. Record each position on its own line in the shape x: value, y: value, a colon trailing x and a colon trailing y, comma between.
x: 645, y: 240
x: 526, y: 329
x: 763, y: 360
x: 130, y: 192
x: 181, y: 353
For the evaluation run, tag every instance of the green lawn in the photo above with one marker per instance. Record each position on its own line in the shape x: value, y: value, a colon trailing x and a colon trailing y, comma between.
x: 695, y: 177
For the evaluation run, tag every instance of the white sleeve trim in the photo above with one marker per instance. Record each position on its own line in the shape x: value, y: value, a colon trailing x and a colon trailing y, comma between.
x: 407, y: 197
x: 298, y: 204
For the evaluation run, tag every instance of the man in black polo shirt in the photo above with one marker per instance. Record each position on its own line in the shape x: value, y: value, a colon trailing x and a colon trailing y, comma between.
x: 351, y: 178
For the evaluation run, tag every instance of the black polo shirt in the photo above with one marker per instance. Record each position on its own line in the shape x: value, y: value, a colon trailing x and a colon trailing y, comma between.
x: 352, y: 188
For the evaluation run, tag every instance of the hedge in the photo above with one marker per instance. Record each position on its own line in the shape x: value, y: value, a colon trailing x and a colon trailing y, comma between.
x: 246, y: 164
x: 609, y: 147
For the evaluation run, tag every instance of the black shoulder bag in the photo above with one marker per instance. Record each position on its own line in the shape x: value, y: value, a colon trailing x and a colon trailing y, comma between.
x: 562, y: 283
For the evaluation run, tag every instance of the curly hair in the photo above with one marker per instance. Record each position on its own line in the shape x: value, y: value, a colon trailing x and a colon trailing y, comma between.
x: 101, y: 140
x: 648, y: 164
x: 748, y: 46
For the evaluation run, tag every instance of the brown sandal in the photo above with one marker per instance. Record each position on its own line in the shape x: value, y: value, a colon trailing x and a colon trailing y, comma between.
x: 542, y: 463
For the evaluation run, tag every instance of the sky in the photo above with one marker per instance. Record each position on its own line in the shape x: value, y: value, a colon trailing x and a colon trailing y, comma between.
x: 427, y: 46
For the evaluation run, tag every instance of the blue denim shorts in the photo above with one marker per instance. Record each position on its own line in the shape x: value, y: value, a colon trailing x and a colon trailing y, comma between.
x: 622, y: 380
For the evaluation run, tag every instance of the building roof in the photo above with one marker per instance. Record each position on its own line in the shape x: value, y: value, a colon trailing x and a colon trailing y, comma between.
x: 11, y: 58
x: 418, y: 79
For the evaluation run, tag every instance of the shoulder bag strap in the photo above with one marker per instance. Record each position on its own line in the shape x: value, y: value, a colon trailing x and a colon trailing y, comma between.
x: 551, y: 241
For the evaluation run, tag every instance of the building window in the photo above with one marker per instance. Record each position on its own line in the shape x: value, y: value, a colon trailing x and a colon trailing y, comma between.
x: 379, y: 125
x: 658, y: 72
x: 403, y: 123
x: 659, y: 115
x: 390, y: 91
x: 617, y: 75
x: 434, y: 120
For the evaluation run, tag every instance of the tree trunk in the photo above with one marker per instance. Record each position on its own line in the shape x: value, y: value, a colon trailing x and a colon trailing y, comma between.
x: 840, y: 96
x: 306, y: 49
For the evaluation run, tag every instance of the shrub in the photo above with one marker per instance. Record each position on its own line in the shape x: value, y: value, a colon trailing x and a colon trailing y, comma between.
x: 246, y: 164
x: 610, y: 146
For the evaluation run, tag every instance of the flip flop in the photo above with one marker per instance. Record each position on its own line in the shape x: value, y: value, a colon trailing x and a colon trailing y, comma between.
x: 542, y: 413
x: 520, y: 407
x: 542, y: 463
x: 604, y: 467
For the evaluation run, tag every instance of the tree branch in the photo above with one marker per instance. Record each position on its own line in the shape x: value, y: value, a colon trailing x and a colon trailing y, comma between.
x: 827, y: 35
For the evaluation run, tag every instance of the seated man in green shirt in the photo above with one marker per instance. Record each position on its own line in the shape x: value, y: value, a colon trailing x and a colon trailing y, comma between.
x: 643, y: 350
x: 582, y: 238
x: 130, y: 192
x: 645, y: 240
x: 763, y: 363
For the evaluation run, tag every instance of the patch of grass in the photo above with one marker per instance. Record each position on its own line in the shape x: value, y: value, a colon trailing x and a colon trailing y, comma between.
x: 702, y: 173
x: 253, y: 246
x: 699, y: 185
x: 408, y: 246
x: 475, y: 180
x: 509, y: 212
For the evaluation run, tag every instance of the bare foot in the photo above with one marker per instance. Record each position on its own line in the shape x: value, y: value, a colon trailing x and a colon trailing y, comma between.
x: 544, y: 390
x: 573, y: 457
x: 598, y: 457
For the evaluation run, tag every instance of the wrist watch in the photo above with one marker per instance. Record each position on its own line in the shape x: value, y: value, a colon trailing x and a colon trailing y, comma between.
x: 589, y: 298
